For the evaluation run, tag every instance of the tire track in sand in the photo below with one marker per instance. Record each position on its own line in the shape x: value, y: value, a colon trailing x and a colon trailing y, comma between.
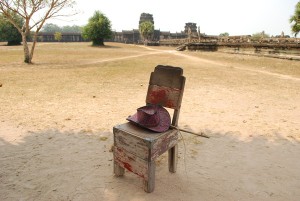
x: 194, y: 58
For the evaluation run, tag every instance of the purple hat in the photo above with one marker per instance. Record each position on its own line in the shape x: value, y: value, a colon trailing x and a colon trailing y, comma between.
x: 152, y: 117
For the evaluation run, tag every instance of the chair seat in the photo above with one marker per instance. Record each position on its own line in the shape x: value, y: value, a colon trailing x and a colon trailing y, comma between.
x: 143, y: 143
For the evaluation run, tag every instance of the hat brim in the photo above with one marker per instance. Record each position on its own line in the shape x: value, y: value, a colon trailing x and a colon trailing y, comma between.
x: 163, y: 125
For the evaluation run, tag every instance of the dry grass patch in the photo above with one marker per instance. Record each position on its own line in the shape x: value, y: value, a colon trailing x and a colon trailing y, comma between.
x: 57, y: 117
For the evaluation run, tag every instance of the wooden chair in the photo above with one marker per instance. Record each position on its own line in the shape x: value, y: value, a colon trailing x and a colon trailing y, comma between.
x: 136, y: 148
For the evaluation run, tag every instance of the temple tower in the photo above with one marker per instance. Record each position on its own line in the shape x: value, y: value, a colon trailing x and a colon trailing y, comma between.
x: 191, y: 29
x: 146, y: 17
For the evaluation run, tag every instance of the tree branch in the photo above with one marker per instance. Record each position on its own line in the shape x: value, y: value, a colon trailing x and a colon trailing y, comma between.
x: 34, y: 13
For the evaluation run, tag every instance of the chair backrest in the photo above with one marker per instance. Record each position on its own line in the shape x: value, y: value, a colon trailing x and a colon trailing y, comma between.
x: 166, y: 88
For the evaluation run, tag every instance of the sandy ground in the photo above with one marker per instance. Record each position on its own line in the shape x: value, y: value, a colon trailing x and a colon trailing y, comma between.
x: 57, y: 117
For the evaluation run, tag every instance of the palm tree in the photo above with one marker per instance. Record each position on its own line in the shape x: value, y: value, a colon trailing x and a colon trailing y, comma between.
x: 146, y: 30
x: 295, y: 19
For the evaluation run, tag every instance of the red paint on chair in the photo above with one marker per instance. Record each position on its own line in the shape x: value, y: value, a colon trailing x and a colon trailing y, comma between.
x: 127, y: 166
x: 161, y: 97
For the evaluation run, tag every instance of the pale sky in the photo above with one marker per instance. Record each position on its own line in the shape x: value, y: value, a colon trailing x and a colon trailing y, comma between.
x: 237, y: 17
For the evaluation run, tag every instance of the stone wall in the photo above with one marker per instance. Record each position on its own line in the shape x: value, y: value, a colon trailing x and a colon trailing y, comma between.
x: 146, y: 17
x: 66, y: 37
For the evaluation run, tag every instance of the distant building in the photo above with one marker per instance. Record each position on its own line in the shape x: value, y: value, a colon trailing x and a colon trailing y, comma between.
x: 127, y: 36
x: 190, y: 27
x: 66, y: 37
x: 146, y: 17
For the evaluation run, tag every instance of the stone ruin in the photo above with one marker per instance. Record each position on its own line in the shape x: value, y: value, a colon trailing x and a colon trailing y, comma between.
x: 146, y: 17
x: 190, y: 38
x: 190, y: 29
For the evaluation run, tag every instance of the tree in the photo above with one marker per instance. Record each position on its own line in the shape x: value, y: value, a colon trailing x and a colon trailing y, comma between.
x: 51, y: 28
x: 146, y: 30
x: 295, y: 20
x: 58, y: 36
x: 225, y: 34
x: 259, y: 36
x: 71, y: 29
x: 97, y: 29
x: 8, y: 32
x: 34, y: 13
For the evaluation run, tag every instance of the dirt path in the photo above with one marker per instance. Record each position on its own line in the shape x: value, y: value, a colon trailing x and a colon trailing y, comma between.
x: 119, y: 58
x: 197, y: 59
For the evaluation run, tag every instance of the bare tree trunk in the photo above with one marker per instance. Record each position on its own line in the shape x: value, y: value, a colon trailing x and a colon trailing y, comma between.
x: 33, y: 45
x: 27, y: 58
x: 34, y: 13
x: 98, y: 42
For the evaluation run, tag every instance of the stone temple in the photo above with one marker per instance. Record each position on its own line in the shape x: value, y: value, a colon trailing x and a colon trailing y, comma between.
x: 146, y: 17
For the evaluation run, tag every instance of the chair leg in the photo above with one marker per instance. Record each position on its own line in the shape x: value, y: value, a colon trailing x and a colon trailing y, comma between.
x: 150, y: 183
x: 173, y: 155
x: 118, y: 170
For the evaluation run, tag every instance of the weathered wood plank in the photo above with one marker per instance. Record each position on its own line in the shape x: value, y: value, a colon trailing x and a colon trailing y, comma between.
x: 118, y: 171
x: 163, y: 144
x: 173, y: 157
x: 143, y: 143
x: 131, y: 162
x: 131, y: 144
x: 164, y: 96
x: 167, y: 76
x: 139, y: 132
x: 150, y: 183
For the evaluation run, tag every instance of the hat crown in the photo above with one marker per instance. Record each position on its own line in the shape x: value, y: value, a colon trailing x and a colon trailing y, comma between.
x: 152, y: 117
x: 148, y: 116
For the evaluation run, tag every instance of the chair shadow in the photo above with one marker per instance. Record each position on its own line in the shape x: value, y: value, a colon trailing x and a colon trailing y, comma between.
x: 55, y: 165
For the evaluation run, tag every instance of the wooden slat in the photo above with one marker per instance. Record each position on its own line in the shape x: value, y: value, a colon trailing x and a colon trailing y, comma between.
x: 164, y: 96
x: 118, y: 170
x: 176, y: 71
x: 150, y: 183
x: 167, y: 76
x: 161, y: 145
x: 131, y: 162
x: 131, y: 144
x: 136, y: 131
x: 173, y: 157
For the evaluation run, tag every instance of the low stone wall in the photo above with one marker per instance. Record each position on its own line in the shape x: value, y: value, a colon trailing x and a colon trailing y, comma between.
x: 238, y: 41
x: 211, y: 47
x: 66, y: 37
